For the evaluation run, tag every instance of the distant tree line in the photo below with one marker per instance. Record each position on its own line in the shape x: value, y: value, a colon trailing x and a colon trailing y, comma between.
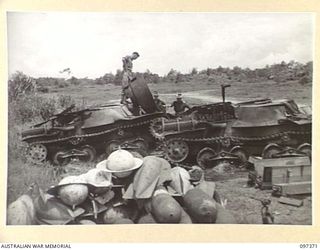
x: 280, y: 72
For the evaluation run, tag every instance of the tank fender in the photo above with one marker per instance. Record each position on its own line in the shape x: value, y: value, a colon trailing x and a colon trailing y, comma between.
x: 236, y: 148
x: 269, y: 146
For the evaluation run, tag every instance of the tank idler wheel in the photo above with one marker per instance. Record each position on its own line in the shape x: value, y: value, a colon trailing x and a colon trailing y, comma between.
x: 241, y: 153
x: 270, y: 151
x: 37, y: 153
x: 141, y: 144
x: 90, y: 153
x: 59, y: 159
x: 176, y: 150
x: 141, y: 150
x: 306, y: 149
x: 203, y: 157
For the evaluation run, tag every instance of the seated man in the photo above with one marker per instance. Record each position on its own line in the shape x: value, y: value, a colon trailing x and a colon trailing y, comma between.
x: 160, y: 105
x: 179, y: 105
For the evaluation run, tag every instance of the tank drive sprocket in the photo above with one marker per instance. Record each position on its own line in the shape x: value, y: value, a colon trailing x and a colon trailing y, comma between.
x: 37, y: 153
x: 176, y: 150
x: 156, y: 128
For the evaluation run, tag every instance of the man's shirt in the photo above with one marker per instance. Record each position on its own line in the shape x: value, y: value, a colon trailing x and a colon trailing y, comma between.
x: 127, y: 63
x: 179, y: 106
x: 160, y: 105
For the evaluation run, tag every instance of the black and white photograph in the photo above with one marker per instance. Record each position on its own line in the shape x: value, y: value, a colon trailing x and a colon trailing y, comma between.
x: 159, y: 118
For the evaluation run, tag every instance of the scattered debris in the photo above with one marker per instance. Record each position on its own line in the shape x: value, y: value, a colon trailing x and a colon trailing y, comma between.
x: 290, y: 201
x: 267, y: 217
x: 276, y: 213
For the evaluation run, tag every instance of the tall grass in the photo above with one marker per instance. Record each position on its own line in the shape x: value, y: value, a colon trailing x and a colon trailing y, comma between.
x: 22, y: 174
x: 24, y: 112
x: 24, y: 109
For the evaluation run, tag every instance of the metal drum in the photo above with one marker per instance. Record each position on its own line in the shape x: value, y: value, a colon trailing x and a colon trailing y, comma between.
x: 141, y: 95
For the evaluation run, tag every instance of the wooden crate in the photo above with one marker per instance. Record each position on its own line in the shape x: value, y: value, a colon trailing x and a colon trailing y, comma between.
x: 293, y: 188
x: 281, y: 170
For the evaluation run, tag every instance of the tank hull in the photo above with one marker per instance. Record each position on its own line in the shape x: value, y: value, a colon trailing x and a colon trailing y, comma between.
x: 232, y: 128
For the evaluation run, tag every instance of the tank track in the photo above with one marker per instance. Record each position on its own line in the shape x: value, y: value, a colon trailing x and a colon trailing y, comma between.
x: 222, y: 139
x: 230, y: 139
x: 90, y: 135
x: 161, y: 137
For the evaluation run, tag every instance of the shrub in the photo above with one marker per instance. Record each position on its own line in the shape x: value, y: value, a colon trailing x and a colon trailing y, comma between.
x: 31, y: 108
x: 20, y: 84
x: 74, y: 81
x: 65, y: 101
x: 46, y: 107
x: 305, y: 80
x: 99, y: 81
x: 43, y: 89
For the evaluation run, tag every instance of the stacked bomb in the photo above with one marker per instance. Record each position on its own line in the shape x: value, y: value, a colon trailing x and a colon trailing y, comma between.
x: 124, y: 189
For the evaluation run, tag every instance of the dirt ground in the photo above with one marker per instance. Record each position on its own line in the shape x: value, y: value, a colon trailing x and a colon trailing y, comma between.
x: 231, y: 186
x: 241, y: 201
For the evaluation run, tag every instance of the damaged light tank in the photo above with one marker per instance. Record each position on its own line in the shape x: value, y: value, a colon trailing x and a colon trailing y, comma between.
x: 232, y: 132
x: 82, y: 134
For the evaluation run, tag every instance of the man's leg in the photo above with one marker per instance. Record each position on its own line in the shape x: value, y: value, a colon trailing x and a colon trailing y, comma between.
x: 125, y: 86
x: 123, y: 97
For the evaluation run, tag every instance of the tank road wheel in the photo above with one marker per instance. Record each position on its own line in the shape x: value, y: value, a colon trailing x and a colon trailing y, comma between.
x: 176, y: 150
x: 90, y: 154
x: 59, y: 160
x: 37, y: 153
x: 240, y: 152
x: 305, y: 148
x: 141, y: 150
x: 112, y: 146
x: 203, y: 157
x: 270, y: 151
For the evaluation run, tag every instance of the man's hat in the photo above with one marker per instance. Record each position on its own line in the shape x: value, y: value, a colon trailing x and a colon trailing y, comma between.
x: 98, y: 178
x: 69, y: 180
x: 121, y: 163
x: 136, y: 53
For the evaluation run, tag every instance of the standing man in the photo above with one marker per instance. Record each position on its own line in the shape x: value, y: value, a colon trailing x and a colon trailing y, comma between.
x: 127, y: 76
x: 179, y: 105
x: 160, y: 105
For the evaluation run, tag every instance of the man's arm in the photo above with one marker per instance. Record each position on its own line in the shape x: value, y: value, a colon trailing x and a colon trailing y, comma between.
x: 187, y: 106
x: 124, y: 63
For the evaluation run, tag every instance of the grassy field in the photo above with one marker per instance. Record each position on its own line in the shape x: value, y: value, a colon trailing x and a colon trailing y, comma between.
x: 100, y: 94
x: 243, y: 91
x: 21, y: 173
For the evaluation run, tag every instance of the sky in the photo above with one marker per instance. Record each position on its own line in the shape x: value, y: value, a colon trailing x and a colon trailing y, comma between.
x: 92, y: 44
